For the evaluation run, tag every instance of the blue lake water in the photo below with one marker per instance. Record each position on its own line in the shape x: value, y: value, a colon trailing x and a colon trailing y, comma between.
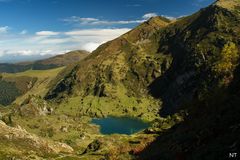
x: 120, y: 125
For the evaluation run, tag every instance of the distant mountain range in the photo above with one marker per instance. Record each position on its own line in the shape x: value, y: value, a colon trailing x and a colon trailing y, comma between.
x: 15, y: 58
x: 49, y: 63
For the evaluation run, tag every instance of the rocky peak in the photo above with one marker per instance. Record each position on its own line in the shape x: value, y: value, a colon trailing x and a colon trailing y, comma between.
x: 228, y: 4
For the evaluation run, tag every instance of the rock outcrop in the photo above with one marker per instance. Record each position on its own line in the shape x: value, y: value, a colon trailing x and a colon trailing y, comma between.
x: 19, y: 137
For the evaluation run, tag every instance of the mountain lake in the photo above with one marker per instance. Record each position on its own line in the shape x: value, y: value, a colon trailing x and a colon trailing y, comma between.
x: 120, y: 125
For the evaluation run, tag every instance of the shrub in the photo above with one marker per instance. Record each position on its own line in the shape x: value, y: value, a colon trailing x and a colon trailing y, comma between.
x: 227, y: 60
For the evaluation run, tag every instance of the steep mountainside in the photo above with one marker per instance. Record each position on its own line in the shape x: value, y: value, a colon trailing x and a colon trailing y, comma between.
x: 50, y: 63
x: 205, y: 51
x: 16, y: 87
x: 114, y: 78
x: 173, y: 61
x: 119, y: 63
x: 64, y: 59
x: 211, y: 130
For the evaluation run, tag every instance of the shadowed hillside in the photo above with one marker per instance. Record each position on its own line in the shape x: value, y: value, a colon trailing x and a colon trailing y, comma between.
x: 210, y: 132
x: 16, y: 87
x: 205, y: 50
x: 209, y: 91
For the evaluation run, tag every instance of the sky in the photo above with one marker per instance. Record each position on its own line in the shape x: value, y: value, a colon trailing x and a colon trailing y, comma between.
x: 38, y: 28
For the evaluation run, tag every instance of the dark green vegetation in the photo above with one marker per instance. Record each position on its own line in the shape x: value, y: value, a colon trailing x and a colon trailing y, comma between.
x: 18, y: 86
x: 201, y: 45
x: 204, y: 80
x: 8, y: 92
x: 50, y: 63
x: 211, y: 130
x: 13, y: 87
x: 186, y: 71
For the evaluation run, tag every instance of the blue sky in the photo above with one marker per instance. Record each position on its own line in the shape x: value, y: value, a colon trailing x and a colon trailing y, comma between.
x: 42, y: 27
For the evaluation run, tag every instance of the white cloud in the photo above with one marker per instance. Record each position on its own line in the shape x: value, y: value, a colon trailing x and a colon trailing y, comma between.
x: 96, y: 21
x: 46, y: 42
x: 23, y: 32
x: 169, y: 17
x: 91, y: 46
x: 149, y: 15
x: 90, y: 39
x: 24, y: 52
x: 172, y: 18
x: 29, y: 52
x: 99, y: 22
x: 47, y: 33
x: 54, y: 40
x: 62, y: 42
x: 4, y: 29
x: 98, y: 32
x: 45, y: 52
x: 79, y: 19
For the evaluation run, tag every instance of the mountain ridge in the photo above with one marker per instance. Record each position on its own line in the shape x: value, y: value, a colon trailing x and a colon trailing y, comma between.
x: 114, y: 46
x: 49, y: 63
x: 137, y: 60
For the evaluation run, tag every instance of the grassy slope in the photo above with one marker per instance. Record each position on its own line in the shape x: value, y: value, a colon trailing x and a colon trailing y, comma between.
x: 18, y: 84
x: 113, y: 63
x: 39, y: 79
x: 16, y: 142
x: 113, y: 79
x: 65, y: 59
